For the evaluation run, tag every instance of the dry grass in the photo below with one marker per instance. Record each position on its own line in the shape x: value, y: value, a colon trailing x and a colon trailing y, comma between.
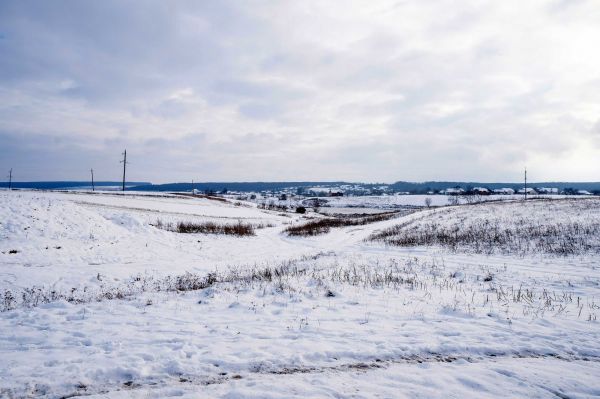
x: 323, y: 226
x: 518, y: 229
x: 238, y: 229
x: 468, y: 293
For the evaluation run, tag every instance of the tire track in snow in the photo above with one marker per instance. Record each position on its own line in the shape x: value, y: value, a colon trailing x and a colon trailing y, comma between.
x: 363, y: 366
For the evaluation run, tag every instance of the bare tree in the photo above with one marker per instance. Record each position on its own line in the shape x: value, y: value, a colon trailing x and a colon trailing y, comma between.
x: 428, y: 202
x: 525, y: 183
x: 453, y: 200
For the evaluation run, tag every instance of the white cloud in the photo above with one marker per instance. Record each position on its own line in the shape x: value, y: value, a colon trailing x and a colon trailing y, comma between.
x: 323, y: 90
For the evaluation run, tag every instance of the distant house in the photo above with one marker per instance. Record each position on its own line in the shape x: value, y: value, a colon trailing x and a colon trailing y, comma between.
x: 504, y: 191
x: 325, y: 192
x: 583, y: 192
x: 529, y: 191
x: 547, y: 190
x: 318, y: 191
x: 481, y: 191
x: 454, y: 191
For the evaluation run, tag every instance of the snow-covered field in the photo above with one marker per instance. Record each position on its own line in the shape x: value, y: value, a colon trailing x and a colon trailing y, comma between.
x: 395, y: 201
x: 98, y: 302
x: 507, y: 227
x: 375, y: 203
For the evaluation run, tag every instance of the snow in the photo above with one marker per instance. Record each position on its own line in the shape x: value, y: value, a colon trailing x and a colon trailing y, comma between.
x: 70, y: 238
x: 345, y: 318
x: 418, y: 200
x: 515, y: 227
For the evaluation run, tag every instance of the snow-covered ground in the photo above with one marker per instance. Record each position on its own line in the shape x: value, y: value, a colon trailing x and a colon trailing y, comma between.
x: 395, y: 201
x: 559, y: 227
x: 372, y: 203
x: 327, y: 316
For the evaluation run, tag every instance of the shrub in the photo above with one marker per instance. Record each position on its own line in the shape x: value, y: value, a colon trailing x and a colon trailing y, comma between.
x: 301, y: 209
x: 237, y: 229
x: 322, y: 226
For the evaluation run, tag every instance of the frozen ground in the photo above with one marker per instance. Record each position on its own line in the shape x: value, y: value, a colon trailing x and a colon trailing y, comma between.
x: 326, y: 316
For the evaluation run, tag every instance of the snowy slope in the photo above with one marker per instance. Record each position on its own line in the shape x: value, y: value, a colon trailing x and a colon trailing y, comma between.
x: 67, y: 239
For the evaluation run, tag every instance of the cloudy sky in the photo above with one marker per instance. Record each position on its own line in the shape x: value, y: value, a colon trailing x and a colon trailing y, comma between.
x: 300, y: 90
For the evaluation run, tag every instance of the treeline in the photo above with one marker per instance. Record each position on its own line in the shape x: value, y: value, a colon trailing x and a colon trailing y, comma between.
x: 58, y: 185
x: 219, y: 187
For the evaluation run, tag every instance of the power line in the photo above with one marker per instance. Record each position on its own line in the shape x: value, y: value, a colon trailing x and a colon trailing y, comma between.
x: 124, y: 162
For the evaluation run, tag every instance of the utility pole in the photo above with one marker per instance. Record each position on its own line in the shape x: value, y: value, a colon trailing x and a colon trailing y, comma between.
x: 93, y: 187
x: 526, y: 183
x: 124, y: 162
x: 192, y: 187
x: 10, y: 179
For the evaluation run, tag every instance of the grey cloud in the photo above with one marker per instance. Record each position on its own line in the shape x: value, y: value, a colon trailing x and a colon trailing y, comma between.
x: 411, y: 90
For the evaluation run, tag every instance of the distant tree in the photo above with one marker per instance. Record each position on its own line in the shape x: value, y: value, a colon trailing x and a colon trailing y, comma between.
x: 472, y: 197
x: 428, y: 202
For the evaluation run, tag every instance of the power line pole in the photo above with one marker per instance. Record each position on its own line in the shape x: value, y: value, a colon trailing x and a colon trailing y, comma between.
x: 10, y: 179
x: 192, y: 187
x: 526, y: 183
x: 93, y: 187
x: 124, y: 162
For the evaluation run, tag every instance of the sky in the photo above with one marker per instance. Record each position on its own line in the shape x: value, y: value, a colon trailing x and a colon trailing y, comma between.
x: 372, y: 91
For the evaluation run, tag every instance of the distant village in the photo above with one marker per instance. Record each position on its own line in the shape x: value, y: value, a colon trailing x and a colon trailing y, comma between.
x: 356, y: 190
